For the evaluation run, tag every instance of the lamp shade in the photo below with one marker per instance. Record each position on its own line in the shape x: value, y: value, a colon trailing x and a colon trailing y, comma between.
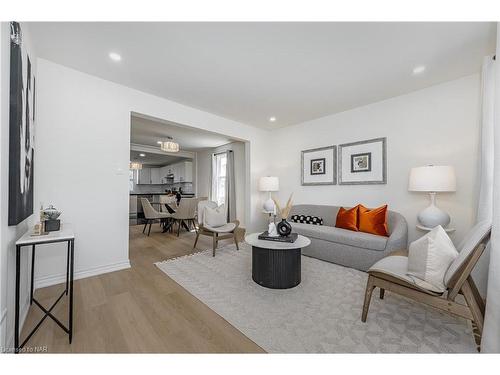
x: 269, y: 183
x: 432, y: 178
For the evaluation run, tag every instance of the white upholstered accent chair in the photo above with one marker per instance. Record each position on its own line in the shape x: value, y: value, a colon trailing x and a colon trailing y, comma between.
x: 389, y: 274
x: 222, y: 232
x: 151, y: 215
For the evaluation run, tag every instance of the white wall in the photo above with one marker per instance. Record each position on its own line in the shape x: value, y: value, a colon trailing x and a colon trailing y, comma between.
x: 436, y: 125
x: 204, y: 160
x: 82, y: 162
x: 9, y: 234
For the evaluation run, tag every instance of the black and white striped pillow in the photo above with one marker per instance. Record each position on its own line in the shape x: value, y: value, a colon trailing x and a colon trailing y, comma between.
x: 306, y: 219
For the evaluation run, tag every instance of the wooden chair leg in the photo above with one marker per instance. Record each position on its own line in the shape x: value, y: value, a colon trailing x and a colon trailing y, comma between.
x: 150, y: 223
x: 179, y: 227
x: 474, y: 309
x: 382, y: 293
x: 214, y: 243
x: 196, y: 240
x: 368, y: 296
x: 145, y: 226
x: 236, y: 241
x: 477, y: 295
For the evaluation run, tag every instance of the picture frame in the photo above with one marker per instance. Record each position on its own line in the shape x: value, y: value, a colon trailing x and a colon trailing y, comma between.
x: 363, y: 162
x: 21, y: 128
x: 319, y: 166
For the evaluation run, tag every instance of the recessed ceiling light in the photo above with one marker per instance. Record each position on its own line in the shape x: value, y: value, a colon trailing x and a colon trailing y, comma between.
x: 115, y: 56
x: 419, y: 69
x: 159, y: 142
x: 272, y: 119
x: 142, y: 155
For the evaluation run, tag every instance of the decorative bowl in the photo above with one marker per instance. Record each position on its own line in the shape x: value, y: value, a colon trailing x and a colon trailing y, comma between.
x: 51, y: 213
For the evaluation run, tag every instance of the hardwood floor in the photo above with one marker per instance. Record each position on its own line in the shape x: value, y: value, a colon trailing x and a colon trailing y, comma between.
x: 138, y: 310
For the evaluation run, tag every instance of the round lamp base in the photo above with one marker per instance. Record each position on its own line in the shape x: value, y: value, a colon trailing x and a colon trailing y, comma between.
x: 433, y: 216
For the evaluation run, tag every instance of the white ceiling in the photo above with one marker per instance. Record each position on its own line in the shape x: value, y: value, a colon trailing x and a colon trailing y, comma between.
x: 148, y: 132
x: 251, y: 71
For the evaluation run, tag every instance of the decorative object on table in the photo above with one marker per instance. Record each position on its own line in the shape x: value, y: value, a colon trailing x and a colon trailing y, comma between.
x: 284, y: 228
x: 271, y: 230
x: 269, y: 184
x: 433, y: 179
x: 291, y: 238
x: 306, y: 219
x: 21, y: 128
x: 319, y: 166
x: 363, y: 162
x: 50, y: 219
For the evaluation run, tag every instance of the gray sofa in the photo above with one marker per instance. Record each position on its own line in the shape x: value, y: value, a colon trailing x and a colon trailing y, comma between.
x: 345, y: 247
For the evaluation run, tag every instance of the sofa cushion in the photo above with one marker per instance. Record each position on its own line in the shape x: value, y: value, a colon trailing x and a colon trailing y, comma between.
x: 306, y: 219
x: 342, y: 236
x: 347, y: 219
x: 373, y: 220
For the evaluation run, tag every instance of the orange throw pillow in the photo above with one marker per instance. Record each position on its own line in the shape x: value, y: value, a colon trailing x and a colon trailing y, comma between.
x: 373, y: 221
x: 347, y: 219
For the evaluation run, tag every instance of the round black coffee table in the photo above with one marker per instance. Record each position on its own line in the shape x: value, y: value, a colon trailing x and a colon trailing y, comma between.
x: 276, y: 265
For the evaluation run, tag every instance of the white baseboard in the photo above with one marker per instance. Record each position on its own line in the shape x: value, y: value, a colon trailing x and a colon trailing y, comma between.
x: 9, y: 341
x: 44, y: 281
x: 3, y: 330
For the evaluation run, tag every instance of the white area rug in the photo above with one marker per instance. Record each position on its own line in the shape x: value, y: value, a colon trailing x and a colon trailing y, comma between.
x: 321, y: 315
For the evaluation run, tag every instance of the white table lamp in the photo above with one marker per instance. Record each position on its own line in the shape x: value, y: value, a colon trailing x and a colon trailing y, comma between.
x: 269, y: 184
x: 433, y: 179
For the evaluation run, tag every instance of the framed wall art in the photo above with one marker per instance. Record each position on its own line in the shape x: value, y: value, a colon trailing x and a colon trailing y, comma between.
x: 21, y: 128
x: 319, y: 166
x: 363, y: 162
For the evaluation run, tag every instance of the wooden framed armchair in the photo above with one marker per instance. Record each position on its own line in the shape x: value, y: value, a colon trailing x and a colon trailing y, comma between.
x: 389, y: 274
x: 226, y: 231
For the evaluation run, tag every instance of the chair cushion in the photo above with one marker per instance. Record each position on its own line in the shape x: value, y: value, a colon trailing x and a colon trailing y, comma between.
x: 373, y: 221
x: 214, y: 217
x: 341, y: 236
x: 471, y: 240
x: 226, y: 228
x: 201, y: 209
x: 397, y: 266
x: 429, y: 257
x: 347, y: 219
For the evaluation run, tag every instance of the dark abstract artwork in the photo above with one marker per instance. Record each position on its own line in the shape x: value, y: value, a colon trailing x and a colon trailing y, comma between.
x: 21, y: 128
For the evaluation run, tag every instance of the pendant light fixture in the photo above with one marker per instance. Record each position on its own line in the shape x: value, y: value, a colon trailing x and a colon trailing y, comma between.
x: 169, y: 145
x: 135, y: 165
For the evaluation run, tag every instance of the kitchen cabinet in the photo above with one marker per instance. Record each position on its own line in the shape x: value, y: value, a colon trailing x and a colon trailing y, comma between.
x: 155, y: 176
x: 183, y: 171
x: 144, y: 176
x: 148, y: 176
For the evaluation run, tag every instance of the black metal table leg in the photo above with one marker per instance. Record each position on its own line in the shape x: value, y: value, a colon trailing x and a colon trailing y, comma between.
x: 67, y: 267
x: 16, y: 324
x: 72, y: 262
x: 32, y: 272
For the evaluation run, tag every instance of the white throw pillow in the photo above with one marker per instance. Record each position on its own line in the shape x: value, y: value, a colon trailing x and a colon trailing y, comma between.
x: 429, y: 258
x: 214, y: 217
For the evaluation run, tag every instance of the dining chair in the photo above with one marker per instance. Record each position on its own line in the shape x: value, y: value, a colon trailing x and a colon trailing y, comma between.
x: 150, y: 214
x: 185, y: 214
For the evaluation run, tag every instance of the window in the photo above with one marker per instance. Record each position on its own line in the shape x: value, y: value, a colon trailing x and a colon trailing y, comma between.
x: 219, y: 178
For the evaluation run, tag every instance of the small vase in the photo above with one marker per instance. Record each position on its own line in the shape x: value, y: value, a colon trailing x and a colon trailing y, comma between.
x: 284, y: 228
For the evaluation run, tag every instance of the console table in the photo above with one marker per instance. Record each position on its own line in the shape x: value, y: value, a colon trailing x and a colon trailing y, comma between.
x: 276, y: 265
x: 65, y: 234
